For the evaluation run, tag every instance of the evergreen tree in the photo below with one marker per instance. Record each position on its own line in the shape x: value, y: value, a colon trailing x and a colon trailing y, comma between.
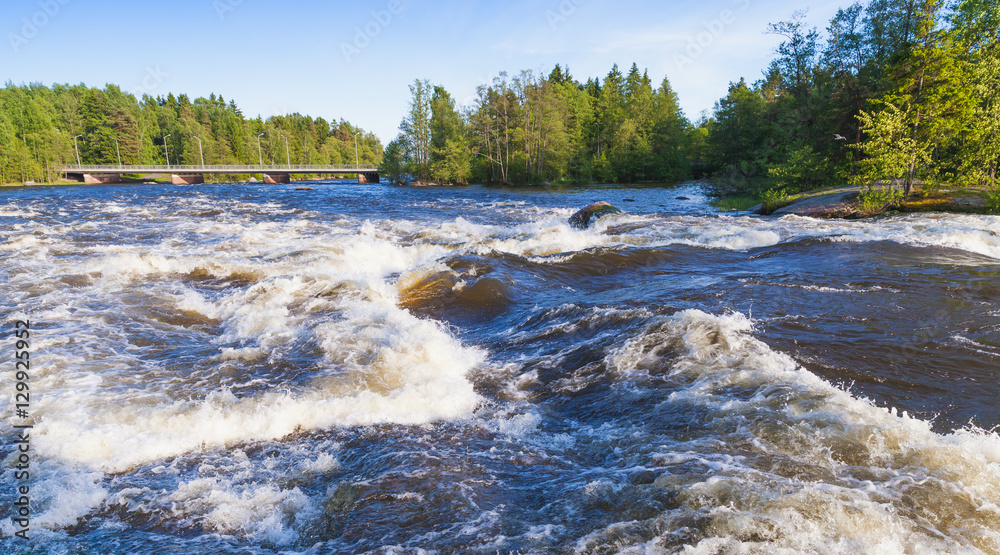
x: 417, y: 128
x: 449, y: 144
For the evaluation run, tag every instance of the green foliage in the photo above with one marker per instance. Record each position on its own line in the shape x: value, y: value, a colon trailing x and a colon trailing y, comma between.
x: 890, y: 149
x: 741, y: 137
x: 449, y: 142
x: 993, y: 199
x: 395, y: 161
x: 736, y: 202
x: 802, y: 169
x: 451, y: 164
x: 416, y: 129
x: 531, y: 129
x: 38, y: 124
x: 773, y: 199
x: 900, y: 92
x: 875, y: 199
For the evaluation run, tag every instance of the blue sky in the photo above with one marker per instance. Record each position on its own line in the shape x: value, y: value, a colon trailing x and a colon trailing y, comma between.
x: 354, y: 60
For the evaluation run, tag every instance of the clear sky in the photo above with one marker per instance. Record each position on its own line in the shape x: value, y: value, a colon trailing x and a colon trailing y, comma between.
x: 354, y: 60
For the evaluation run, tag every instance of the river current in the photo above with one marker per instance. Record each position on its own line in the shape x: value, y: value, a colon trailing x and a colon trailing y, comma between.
x: 363, y: 368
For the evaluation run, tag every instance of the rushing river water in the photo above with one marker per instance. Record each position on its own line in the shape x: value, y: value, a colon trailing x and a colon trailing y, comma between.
x: 361, y: 368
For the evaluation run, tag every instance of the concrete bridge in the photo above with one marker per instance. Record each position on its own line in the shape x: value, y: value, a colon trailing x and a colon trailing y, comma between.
x: 188, y: 175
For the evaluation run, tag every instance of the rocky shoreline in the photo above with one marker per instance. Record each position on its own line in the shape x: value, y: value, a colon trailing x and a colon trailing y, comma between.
x: 843, y: 203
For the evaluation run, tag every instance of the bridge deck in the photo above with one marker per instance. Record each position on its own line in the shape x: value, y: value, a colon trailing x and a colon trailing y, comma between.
x: 195, y: 169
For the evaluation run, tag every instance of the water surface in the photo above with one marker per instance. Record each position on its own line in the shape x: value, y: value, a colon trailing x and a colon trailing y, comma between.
x: 361, y: 368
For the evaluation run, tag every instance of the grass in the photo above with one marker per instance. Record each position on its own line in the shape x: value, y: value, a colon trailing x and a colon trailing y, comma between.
x: 738, y: 202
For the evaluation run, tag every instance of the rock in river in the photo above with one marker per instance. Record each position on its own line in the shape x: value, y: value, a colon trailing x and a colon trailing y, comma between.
x: 582, y: 219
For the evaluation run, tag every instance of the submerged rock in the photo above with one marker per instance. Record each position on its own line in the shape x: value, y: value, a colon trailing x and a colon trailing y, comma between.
x: 582, y: 219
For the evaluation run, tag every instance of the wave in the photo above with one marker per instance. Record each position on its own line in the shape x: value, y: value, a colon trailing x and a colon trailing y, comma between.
x: 795, y: 464
x: 217, y: 334
x: 547, y: 238
x: 197, y: 325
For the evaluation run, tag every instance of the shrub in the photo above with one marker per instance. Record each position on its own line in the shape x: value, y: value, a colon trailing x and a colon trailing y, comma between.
x: 803, y: 169
x: 878, y: 198
x: 772, y: 199
x: 993, y: 199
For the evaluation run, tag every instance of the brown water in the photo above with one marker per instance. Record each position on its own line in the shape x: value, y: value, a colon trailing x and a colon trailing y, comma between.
x: 360, y: 368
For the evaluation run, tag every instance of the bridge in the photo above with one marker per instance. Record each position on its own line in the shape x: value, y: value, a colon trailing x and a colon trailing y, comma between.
x: 189, y: 175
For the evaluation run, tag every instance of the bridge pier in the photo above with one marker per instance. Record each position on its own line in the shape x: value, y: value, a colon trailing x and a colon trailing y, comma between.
x: 90, y: 179
x: 277, y: 178
x: 187, y: 179
x: 368, y: 177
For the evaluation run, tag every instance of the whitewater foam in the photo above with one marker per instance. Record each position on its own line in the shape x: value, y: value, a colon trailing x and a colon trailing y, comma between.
x: 828, y: 472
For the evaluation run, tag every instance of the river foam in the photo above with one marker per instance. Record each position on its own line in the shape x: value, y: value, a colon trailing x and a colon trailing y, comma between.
x: 194, y: 353
x: 819, y: 470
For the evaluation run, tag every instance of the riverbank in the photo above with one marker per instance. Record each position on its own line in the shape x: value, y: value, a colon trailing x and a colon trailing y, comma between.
x: 34, y: 184
x: 846, y: 203
x: 70, y: 183
x: 144, y: 180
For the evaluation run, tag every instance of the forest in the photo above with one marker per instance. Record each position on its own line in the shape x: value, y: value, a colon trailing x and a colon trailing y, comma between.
x: 531, y: 129
x: 897, y: 92
x: 38, y: 125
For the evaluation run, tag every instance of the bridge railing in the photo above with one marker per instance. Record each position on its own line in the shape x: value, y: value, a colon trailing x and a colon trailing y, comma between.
x: 221, y: 168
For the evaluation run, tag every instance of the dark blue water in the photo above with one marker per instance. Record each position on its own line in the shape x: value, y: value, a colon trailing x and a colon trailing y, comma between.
x: 362, y: 368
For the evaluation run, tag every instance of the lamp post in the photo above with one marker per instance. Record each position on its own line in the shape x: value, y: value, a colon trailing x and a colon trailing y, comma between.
x: 356, y: 162
x: 165, y: 151
x: 118, y: 148
x: 77, y: 147
x: 260, y: 157
x: 288, y: 158
x: 200, y: 151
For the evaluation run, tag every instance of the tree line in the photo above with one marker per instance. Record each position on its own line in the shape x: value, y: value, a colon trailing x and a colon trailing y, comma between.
x: 533, y: 128
x: 900, y: 91
x: 44, y: 128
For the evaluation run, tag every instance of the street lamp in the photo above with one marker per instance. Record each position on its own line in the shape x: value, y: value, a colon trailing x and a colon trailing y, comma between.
x: 260, y: 157
x: 118, y: 148
x: 356, y: 162
x: 200, y: 151
x: 288, y: 159
x: 165, y: 151
x: 77, y: 147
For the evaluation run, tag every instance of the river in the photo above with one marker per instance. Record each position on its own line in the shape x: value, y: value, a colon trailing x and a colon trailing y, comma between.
x: 362, y: 368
